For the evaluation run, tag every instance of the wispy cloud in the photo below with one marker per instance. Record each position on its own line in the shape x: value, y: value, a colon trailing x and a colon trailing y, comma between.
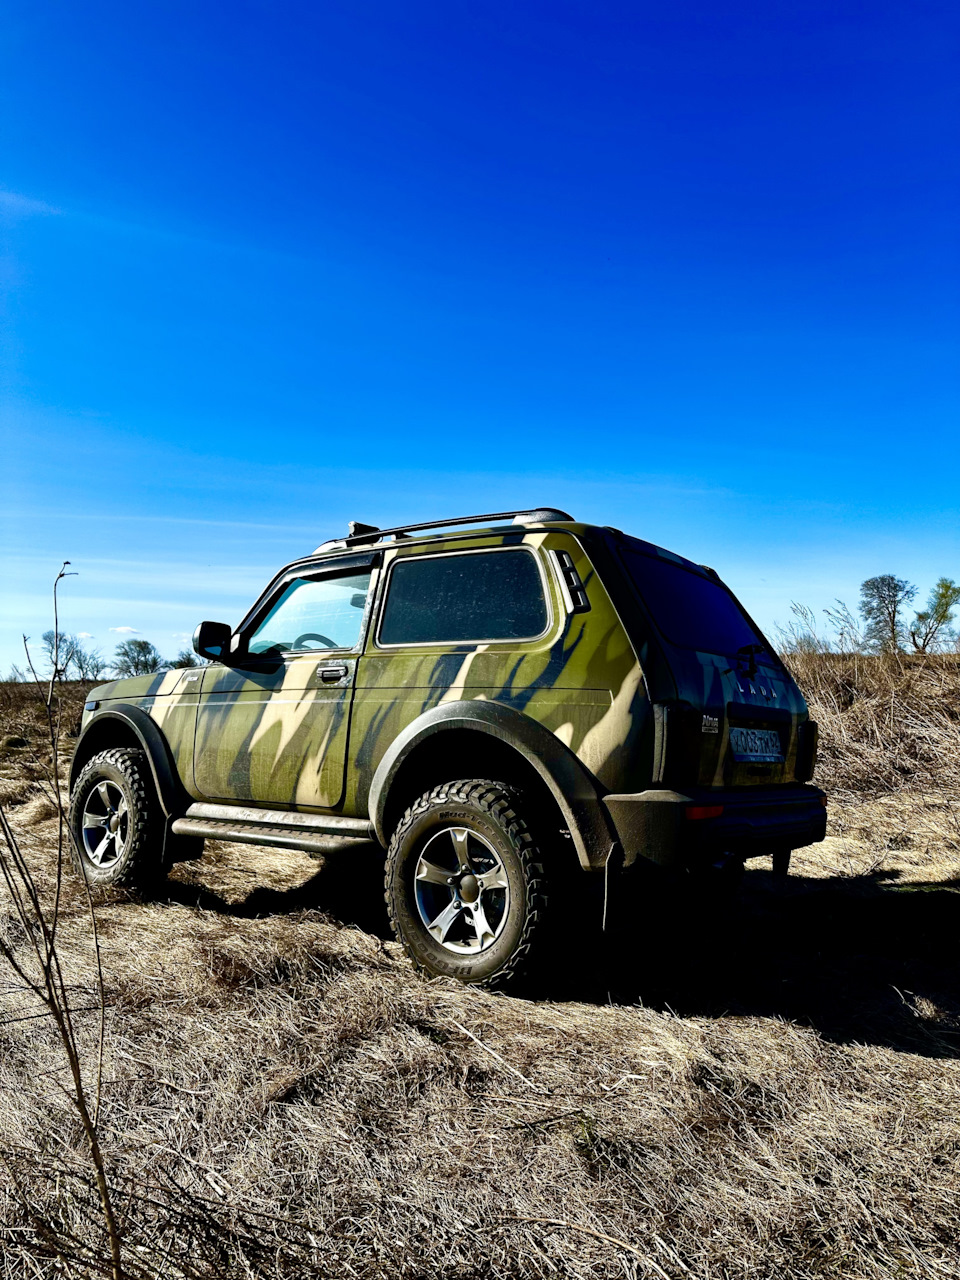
x: 125, y: 631
x: 84, y: 635
x: 23, y: 206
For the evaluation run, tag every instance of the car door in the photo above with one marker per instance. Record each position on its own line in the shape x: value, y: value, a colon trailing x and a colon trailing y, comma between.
x: 458, y: 624
x: 273, y: 723
x: 526, y: 625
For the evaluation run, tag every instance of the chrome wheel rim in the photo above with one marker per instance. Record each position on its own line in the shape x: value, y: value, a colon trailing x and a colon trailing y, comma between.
x: 105, y: 824
x: 462, y: 891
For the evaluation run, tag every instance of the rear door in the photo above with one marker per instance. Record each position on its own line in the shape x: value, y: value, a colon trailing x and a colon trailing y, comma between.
x: 273, y: 724
x: 737, y: 715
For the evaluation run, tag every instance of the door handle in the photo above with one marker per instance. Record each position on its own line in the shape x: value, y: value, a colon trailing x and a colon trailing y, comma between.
x: 329, y: 674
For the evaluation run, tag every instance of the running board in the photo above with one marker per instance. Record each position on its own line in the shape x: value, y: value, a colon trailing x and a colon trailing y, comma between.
x: 308, y: 831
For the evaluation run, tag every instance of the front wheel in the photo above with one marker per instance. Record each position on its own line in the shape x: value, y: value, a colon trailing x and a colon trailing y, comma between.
x: 464, y: 884
x: 115, y: 822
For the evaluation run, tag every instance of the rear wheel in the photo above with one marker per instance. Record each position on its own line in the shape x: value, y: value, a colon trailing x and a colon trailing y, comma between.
x: 115, y: 822
x: 464, y: 884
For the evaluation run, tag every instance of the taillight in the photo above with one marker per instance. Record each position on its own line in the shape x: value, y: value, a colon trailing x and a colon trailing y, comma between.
x: 697, y: 812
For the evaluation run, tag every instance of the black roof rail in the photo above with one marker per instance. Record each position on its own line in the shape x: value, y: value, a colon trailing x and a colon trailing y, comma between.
x: 367, y: 534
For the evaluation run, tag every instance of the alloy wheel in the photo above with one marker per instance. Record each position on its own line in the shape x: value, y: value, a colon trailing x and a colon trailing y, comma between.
x: 462, y: 891
x: 106, y: 824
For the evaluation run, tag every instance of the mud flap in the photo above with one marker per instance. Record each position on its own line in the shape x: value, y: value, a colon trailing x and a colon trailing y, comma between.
x: 180, y: 848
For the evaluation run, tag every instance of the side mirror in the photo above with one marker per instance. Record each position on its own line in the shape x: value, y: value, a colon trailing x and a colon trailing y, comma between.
x: 211, y: 640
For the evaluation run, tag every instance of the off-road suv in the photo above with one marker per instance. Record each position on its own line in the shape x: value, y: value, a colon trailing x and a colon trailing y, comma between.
x: 496, y: 705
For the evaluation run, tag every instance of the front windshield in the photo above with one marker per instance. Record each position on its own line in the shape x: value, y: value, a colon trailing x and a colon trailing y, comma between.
x: 691, y: 609
x: 313, y: 614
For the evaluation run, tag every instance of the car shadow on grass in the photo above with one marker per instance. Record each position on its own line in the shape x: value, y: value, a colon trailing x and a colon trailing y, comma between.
x: 347, y: 886
x: 863, y: 959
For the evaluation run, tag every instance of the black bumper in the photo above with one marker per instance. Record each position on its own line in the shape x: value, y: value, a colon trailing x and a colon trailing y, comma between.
x: 665, y: 827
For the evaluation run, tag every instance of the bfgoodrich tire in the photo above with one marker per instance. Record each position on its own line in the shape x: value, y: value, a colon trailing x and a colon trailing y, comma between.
x: 464, y: 885
x: 116, y: 823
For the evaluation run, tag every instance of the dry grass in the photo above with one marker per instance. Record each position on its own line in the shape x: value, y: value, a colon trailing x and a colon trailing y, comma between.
x: 284, y: 1097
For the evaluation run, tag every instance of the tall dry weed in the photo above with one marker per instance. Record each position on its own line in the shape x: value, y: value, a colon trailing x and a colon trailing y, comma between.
x: 31, y: 954
x: 886, y: 722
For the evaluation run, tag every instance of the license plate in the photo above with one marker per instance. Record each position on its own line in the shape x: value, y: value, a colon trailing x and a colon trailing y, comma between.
x: 761, y: 746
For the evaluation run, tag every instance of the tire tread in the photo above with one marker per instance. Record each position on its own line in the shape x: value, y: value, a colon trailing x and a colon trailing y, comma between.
x: 142, y: 868
x: 499, y: 802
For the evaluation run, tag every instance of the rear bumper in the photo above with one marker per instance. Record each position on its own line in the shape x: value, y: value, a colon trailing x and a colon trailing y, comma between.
x: 655, y: 824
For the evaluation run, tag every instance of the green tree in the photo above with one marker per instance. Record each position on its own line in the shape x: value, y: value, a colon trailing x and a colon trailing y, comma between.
x: 137, y: 658
x: 930, y: 629
x: 883, y: 601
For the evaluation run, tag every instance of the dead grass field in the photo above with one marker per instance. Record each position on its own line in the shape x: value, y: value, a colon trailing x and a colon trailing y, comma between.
x: 778, y: 1095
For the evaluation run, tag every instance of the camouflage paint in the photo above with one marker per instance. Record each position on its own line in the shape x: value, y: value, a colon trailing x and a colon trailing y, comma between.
x: 273, y: 733
x: 170, y: 699
x: 722, y: 684
x: 581, y: 679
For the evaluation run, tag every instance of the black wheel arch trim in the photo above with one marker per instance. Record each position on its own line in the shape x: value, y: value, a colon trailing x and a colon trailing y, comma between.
x: 170, y: 790
x: 570, y: 784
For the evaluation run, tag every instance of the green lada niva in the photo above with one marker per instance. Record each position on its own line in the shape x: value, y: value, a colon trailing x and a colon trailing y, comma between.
x: 501, y: 701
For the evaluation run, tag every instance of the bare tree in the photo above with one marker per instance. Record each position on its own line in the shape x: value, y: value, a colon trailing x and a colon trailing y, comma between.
x: 58, y: 649
x: 88, y: 664
x: 930, y: 629
x: 883, y: 601
x: 187, y: 658
x: 69, y: 660
x: 137, y: 658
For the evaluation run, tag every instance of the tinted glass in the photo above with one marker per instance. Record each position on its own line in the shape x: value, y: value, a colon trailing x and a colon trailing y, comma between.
x: 311, y: 614
x: 493, y: 595
x: 690, y: 609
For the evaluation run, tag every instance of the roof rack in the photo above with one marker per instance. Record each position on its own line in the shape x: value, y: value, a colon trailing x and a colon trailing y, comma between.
x: 367, y: 534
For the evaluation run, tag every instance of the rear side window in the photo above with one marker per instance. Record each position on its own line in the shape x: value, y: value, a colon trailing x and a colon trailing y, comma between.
x: 482, y: 595
x: 691, y: 610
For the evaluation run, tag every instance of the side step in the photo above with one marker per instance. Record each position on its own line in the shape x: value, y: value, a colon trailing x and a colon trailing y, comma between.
x: 308, y: 831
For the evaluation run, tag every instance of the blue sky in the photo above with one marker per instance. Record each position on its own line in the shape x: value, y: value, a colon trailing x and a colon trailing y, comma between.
x: 691, y: 270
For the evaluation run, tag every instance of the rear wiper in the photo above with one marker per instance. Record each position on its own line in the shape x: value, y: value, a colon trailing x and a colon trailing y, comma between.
x: 749, y: 652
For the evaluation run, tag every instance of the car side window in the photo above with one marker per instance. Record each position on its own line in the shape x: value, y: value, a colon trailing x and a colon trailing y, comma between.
x: 313, y: 613
x: 474, y: 596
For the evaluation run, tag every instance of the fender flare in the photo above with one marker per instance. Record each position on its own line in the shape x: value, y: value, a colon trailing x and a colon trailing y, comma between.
x: 571, y: 786
x: 170, y: 790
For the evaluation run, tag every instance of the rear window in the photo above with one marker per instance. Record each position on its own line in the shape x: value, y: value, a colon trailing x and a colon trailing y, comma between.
x: 691, y: 610
x: 484, y: 595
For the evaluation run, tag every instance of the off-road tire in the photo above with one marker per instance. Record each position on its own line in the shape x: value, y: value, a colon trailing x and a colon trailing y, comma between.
x: 139, y: 866
x: 492, y: 810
